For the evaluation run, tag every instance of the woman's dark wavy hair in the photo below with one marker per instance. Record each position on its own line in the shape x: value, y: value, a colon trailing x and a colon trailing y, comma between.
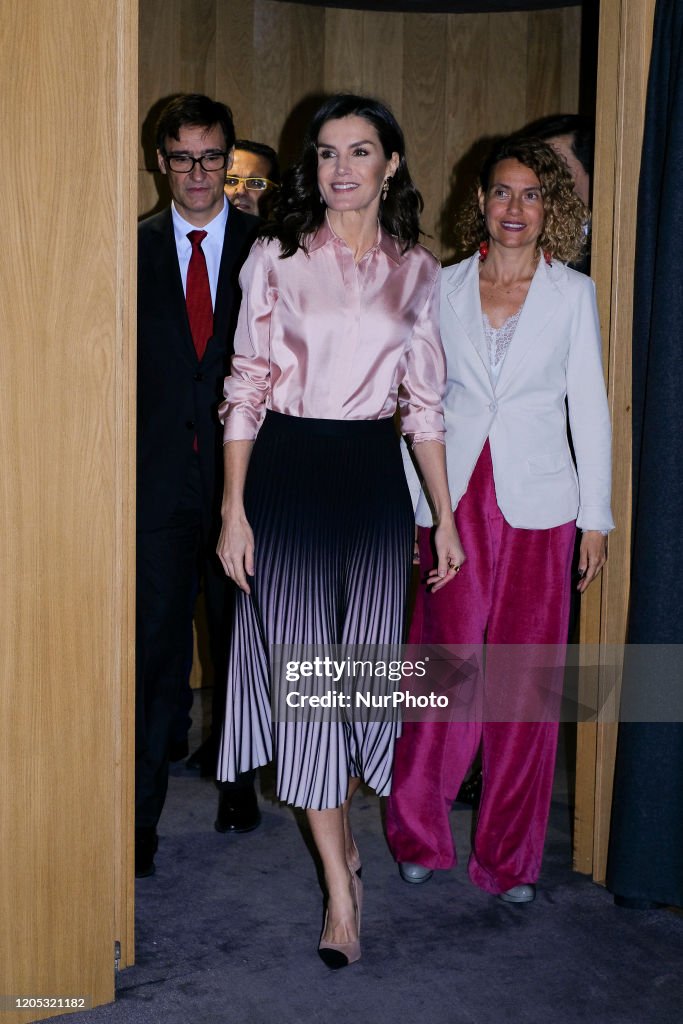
x: 563, y: 235
x: 298, y: 211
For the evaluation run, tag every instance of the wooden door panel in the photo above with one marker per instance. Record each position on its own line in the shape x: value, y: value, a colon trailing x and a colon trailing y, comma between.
x: 68, y: 77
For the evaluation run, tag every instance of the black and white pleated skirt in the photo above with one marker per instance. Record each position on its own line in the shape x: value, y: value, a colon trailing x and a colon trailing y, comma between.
x: 333, y: 526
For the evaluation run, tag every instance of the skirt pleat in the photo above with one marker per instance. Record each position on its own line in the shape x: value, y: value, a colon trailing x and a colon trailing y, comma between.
x: 333, y: 526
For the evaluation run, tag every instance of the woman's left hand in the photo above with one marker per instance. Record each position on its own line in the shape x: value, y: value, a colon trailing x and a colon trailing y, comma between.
x: 449, y: 555
x: 592, y: 557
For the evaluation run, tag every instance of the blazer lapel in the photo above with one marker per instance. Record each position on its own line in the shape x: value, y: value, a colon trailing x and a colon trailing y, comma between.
x: 465, y: 304
x: 540, y: 306
x: 240, y: 230
x: 170, y: 281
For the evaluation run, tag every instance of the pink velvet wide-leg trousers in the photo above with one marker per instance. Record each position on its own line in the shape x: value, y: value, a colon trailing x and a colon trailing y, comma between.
x: 514, y: 588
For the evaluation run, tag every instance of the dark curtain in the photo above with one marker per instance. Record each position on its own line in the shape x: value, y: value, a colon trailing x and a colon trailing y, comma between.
x: 646, y: 840
x: 446, y: 6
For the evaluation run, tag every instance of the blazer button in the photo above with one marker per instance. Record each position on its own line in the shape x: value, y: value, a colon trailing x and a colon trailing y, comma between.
x: 493, y: 406
x: 198, y: 376
x: 190, y: 424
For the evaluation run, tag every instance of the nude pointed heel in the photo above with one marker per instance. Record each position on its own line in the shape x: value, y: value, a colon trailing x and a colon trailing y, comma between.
x: 336, y: 955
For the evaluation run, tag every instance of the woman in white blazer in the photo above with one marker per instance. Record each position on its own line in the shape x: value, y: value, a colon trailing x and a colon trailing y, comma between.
x: 521, y: 335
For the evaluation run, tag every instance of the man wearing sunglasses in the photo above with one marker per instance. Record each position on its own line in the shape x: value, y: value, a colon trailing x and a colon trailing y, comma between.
x: 252, y: 181
x: 189, y: 257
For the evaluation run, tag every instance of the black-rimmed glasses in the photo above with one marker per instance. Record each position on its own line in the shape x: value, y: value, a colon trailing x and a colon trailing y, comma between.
x: 183, y: 163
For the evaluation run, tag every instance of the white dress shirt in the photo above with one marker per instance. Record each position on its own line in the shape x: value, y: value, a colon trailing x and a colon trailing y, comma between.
x: 212, y: 246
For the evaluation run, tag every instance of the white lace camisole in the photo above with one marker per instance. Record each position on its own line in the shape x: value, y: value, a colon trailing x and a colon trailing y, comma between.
x: 498, y: 341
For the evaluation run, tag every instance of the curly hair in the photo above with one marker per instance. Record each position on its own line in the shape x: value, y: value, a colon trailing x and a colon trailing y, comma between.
x: 564, y: 228
x: 298, y: 211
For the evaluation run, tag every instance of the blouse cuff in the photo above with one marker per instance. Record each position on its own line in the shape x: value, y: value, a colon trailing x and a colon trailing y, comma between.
x: 414, y: 439
x: 241, y: 424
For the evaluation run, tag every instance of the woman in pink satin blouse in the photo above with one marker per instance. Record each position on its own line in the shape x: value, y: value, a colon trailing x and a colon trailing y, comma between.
x: 338, y: 329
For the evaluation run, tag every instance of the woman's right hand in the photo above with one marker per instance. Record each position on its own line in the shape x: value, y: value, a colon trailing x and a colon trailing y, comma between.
x: 449, y: 555
x: 236, y: 548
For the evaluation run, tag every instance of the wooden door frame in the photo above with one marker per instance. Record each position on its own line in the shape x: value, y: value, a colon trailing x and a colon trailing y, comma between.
x: 127, y: 174
x: 624, y: 45
x: 67, y: 457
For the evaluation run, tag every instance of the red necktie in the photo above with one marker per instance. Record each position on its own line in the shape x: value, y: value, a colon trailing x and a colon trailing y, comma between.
x: 198, y: 295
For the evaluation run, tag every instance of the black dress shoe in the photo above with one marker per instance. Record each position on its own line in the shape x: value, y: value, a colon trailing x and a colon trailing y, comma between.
x: 470, y: 791
x: 237, y: 809
x: 204, y: 759
x: 146, y: 843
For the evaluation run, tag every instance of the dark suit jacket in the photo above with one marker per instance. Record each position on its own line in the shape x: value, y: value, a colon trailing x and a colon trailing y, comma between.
x: 177, y: 394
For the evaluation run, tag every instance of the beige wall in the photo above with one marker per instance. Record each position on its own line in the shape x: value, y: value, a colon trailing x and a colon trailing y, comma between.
x: 450, y: 79
x: 67, y: 80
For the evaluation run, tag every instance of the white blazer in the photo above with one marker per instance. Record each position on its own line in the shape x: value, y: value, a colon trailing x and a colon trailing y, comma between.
x: 555, y: 353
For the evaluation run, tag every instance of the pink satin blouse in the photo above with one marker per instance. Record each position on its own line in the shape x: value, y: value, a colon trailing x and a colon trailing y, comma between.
x: 321, y: 337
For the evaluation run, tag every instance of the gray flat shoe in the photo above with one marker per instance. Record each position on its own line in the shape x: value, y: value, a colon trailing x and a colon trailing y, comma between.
x: 416, y: 874
x: 519, y: 894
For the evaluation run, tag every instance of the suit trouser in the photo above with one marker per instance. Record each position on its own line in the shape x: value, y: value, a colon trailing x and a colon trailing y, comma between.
x: 169, y: 561
x: 513, y: 589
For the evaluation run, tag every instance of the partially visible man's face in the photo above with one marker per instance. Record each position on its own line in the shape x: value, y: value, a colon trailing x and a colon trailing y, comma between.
x: 247, y: 165
x: 198, y: 194
x: 562, y: 144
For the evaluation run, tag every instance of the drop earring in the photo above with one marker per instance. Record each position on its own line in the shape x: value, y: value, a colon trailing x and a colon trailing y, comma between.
x: 385, y: 188
x: 483, y: 246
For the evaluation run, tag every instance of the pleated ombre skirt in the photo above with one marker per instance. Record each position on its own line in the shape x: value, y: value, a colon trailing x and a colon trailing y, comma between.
x: 333, y: 526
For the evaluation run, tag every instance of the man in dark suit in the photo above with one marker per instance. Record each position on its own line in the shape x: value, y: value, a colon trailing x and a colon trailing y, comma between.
x: 189, y: 257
